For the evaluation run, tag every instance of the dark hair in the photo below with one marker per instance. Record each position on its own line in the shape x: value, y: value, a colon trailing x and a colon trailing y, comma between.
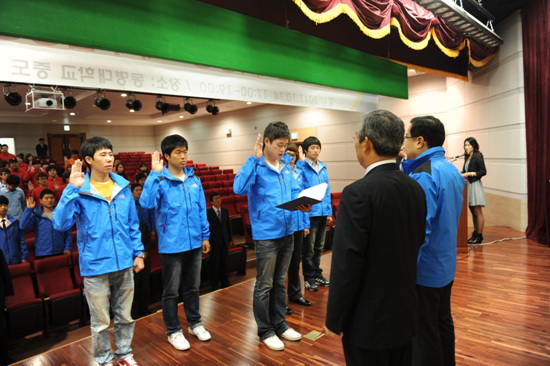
x: 5, y: 145
x: 45, y: 192
x: 276, y: 130
x: 13, y: 179
x: 4, y: 200
x: 41, y: 139
x: 311, y: 140
x: 214, y: 194
x: 169, y: 143
x: 140, y: 175
x: 91, y: 145
x: 21, y: 155
x: 51, y: 167
x: 116, y: 168
x: 74, y: 152
x: 40, y: 175
x: 143, y: 164
x: 4, y: 170
x: 3, y: 164
x: 292, y: 147
x: 35, y: 162
x: 135, y: 185
x: 65, y: 175
x: 472, y: 141
x: 385, y: 130
x: 430, y: 128
x: 12, y: 160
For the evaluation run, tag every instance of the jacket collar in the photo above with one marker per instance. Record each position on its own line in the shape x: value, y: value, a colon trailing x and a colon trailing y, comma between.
x: 120, y: 183
x: 434, y: 153
x: 189, y: 172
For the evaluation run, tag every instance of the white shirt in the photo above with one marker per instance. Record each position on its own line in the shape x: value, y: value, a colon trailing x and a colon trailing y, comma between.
x: 382, y: 162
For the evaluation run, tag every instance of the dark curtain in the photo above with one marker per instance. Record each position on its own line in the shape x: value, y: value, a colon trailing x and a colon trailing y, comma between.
x: 536, y: 60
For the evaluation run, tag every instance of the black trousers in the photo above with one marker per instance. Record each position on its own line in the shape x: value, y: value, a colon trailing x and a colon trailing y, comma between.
x: 142, y: 291
x: 355, y: 356
x: 294, y: 289
x: 218, y: 265
x: 435, y: 343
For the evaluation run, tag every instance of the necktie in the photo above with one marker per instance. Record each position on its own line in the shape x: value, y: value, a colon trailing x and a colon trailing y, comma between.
x: 219, y: 215
x: 4, y: 224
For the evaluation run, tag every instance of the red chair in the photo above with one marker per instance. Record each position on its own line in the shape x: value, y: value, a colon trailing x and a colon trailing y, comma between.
x: 219, y: 177
x: 214, y: 167
x: 205, y: 185
x: 30, y: 248
x: 227, y: 184
x: 200, y: 165
x: 227, y: 171
x: 216, y: 171
x: 208, y: 178
x: 247, y: 226
x: 230, y: 176
x: 216, y: 185
x: 229, y: 203
x: 240, y: 201
x: 78, y: 279
x: 24, y: 314
x: 335, y: 197
x: 55, y: 285
x: 156, y: 269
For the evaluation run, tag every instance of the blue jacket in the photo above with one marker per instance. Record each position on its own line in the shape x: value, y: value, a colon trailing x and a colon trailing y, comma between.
x: 108, y: 234
x: 12, y: 242
x: 180, y: 210
x: 300, y: 219
x: 266, y: 188
x: 312, y: 178
x: 48, y: 241
x: 444, y: 188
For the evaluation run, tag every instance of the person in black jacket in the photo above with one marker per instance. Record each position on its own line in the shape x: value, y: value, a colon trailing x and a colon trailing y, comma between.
x: 6, y: 293
x: 473, y: 170
x: 142, y: 279
x: 220, y: 238
x: 372, y: 297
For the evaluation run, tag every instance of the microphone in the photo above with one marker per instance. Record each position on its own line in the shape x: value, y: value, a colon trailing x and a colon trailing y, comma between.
x: 461, y: 155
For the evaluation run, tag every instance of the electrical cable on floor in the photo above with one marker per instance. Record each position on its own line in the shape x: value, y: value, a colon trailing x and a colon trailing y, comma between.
x: 489, y: 243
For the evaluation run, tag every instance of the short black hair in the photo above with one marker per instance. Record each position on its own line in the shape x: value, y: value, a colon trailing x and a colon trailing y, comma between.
x: 140, y: 175
x: 4, y: 170
x: 311, y: 140
x: 384, y: 130
x: 169, y: 143
x: 35, y: 162
x: 430, y: 128
x: 41, y: 139
x: 4, y: 200
x: 40, y: 175
x: 135, y: 185
x: 276, y: 130
x: 12, y: 160
x: 91, y: 145
x: 75, y: 152
x: 13, y: 179
x: 5, y: 145
x: 143, y: 164
x: 51, y: 167
x: 3, y: 164
x: 214, y: 194
x: 45, y: 192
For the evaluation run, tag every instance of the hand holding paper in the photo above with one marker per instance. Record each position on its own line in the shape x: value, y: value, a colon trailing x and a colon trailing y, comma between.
x: 311, y: 196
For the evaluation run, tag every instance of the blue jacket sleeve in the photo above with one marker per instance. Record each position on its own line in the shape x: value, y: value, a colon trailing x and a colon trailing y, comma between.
x: 68, y: 240
x: 64, y: 214
x: 23, y: 245
x: 151, y: 191
x: 27, y: 220
x: 246, y: 176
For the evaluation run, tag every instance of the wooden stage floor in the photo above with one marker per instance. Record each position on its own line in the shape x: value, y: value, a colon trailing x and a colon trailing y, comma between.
x: 501, y: 299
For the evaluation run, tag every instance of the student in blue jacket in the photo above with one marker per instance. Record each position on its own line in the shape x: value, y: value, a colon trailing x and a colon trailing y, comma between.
x: 183, y: 233
x: 109, y: 243
x: 315, y: 172
x: 47, y: 240
x: 12, y: 240
x: 267, y: 179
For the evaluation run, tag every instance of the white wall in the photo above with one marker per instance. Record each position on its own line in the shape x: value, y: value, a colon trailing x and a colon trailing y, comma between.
x: 490, y: 108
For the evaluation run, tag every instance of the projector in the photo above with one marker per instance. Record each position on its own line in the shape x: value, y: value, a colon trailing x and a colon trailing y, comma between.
x: 47, y: 103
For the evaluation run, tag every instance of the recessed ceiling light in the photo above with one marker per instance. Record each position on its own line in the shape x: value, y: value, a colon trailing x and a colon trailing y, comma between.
x: 131, y: 110
x: 181, y: 116
x: 123, y: 95
x: 248, y: 102
x: 72, y: 114
x: 27, y: 103
x: 159, y: 121
x: 109, y: 121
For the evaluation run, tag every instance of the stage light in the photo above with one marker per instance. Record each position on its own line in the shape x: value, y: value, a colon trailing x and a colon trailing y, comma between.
x: 190, y: 107
x: 164, y: 107
x: 212, y: 109
x: 132, y: 103
x: 101, y: 101
x: 69, y: 102
x: 13, y: 98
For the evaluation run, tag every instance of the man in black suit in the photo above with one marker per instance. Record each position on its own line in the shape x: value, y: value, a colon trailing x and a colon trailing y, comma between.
x: 372, y: 297
x: 220, y: 238
x: 41, y: 148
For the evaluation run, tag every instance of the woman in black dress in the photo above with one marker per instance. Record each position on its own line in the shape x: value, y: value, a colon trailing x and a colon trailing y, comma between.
x: 473, y: 170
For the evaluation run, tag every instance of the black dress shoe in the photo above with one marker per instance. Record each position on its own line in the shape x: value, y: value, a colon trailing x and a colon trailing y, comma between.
x: 288, y: 311
x: 302, y: 301
x: 474, y: 234
x: 477, y: 240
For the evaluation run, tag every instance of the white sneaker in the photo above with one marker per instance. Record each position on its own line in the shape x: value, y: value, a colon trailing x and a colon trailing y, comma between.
x: 178, y: 341
x: 291, y: 335
x: 201, y: 333
x: 274, y: 343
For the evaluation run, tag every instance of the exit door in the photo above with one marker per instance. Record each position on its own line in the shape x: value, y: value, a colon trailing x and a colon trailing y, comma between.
x: 61, y: 146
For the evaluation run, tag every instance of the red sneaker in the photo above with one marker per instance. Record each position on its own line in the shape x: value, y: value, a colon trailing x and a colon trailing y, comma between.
x: 128, y: 361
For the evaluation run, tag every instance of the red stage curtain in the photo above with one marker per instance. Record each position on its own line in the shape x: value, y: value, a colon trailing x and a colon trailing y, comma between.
x: 415, y: 24
x: 536, y: 63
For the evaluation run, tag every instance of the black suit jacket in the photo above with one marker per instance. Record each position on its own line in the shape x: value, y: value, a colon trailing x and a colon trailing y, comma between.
x: 477, y: 165
x: 380, y: 228
x: 220, y: 232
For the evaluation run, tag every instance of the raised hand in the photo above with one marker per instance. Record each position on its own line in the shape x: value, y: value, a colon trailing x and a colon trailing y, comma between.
x: 31, y: 186
x: 77, y: 177
x: 301, y: 154
x: 30, y: 202
x: 156, y: 162
x: 258, y: 147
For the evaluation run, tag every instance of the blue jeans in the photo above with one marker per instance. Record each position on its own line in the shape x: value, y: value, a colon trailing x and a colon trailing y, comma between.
x: 181, y: 269
x: 116, y: 289
x: 294, y: 284
x: 269, y: 305
x: 313, y: 248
